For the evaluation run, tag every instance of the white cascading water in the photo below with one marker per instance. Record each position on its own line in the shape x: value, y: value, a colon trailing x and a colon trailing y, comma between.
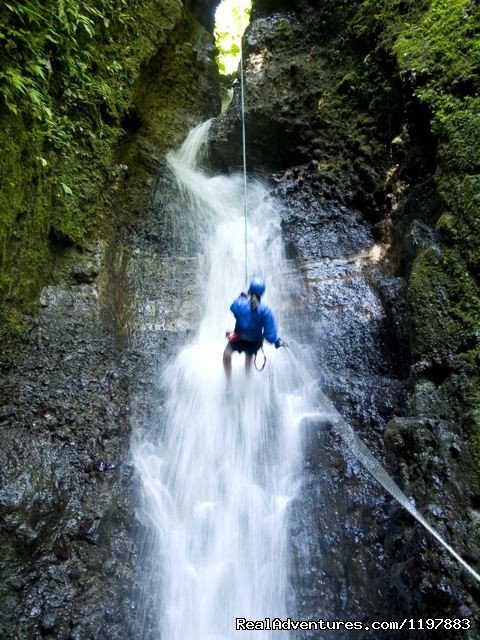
x: 222, y: 470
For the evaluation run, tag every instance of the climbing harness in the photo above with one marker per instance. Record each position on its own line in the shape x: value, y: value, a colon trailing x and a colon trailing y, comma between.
x: 244, y: 153
x: 341, y: 427
x: 233, y: 336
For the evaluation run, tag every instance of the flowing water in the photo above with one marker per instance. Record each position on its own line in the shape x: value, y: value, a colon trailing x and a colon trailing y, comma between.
x: 221, y: 466
x: 220, y: 469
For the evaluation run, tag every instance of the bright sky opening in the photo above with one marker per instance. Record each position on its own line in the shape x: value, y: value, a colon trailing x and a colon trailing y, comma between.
x: 231, y: 20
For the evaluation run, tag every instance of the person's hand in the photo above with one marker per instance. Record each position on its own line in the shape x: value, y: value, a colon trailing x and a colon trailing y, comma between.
x: 280, y: 343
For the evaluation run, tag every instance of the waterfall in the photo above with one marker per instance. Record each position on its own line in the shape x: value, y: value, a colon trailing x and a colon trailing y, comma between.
x: 220, y: 469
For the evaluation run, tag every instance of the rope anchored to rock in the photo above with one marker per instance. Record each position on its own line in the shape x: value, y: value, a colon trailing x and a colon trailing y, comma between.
x: 244, y: 154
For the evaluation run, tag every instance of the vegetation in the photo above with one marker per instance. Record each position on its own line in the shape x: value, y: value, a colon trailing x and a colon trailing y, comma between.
x: 231, y: 20
x: 413, y: 67
x: 66, y: 75
x: 67, y: 70
x: 439, y: 57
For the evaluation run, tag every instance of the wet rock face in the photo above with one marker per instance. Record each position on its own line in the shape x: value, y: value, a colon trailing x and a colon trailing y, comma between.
x: 177, y: 88
x: 67, y: 521
x: 70, y: 550
x: 366, y: 557
x: 65, y: 497
x: 349, y: 155
x: 429, y: 453
x: 341, y: 516
x: 304, y: 101
x: 347, y: 293
x: 281, y: 96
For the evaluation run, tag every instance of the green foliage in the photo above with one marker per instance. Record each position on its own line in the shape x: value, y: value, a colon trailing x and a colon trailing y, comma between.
x: 457, y: 122
x: 445, y: 302
x: 472, y: 426
x: 69, y: 57
x: 378, y: 23
x: 441, y: 53
x: 439, y: 56
x: 232, y: 18
x: 67, y: 71
x: 434, y: 45
x: 460, y: 220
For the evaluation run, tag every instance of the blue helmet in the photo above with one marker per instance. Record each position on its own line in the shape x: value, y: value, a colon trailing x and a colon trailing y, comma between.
x: 257, y: 287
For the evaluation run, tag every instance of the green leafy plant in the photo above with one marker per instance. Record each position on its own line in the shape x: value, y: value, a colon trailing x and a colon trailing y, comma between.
x: 67, y: 69
x: 232, y: 18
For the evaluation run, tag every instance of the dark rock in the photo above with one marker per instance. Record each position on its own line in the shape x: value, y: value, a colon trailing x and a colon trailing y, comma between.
x: 420, y: 237
x: 85, y: 273
x: 48, y: 623
x: 61, y: 548
x: 204, y: 12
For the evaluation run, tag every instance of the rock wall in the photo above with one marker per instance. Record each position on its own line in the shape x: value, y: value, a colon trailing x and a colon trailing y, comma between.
x: 67, y: 498
x: 68, y: 78
x: 369, y: 109
x: 367, y: 118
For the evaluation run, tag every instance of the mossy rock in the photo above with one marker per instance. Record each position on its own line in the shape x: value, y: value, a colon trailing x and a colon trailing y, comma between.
x: 460, y: 221
x: 445, y: 302
x: 458, y: 127
x: 62, y: 115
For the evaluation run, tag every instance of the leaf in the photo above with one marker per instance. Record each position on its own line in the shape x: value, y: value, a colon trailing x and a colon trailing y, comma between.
x: 88, y: 25
x: 11, y: 106
x: 15, y: 79
x: 35, y: 96
x: 53, y: 37
x: 32, y: 13
x: 36, y: 69
x: 66, y: 189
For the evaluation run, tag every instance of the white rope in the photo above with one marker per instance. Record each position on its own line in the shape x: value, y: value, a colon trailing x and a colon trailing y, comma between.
x: 361, y: 451
x: 244, y: 149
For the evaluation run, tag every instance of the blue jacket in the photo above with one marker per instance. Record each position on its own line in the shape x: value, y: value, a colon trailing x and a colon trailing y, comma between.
x: 254, y: 325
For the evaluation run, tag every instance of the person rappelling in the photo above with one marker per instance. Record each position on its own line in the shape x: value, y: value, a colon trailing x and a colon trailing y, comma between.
x: 255, y: 322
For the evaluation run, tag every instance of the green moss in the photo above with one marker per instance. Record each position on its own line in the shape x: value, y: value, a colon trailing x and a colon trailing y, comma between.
x: 440, y: 57
x: 360, y: 106
x: 471, y: 424
x: 440, y: 52
x: 456, y: 122
x: 67, y: 74
x: 460, y: 221
x: 445, y: 303
x: 426, y: 298
x: 378, y: 23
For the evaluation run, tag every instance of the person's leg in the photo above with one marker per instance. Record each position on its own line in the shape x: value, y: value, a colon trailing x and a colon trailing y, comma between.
x: 227, y: 361
x: 248, y: 363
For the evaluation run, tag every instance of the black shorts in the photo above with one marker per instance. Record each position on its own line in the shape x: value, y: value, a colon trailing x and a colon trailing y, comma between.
x: 248, y: 346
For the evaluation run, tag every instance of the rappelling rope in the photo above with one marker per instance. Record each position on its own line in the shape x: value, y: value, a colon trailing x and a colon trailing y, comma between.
x: 260, y: 369
x: 244, y: 149
x: 338, y: 423
x: 361, y: 451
